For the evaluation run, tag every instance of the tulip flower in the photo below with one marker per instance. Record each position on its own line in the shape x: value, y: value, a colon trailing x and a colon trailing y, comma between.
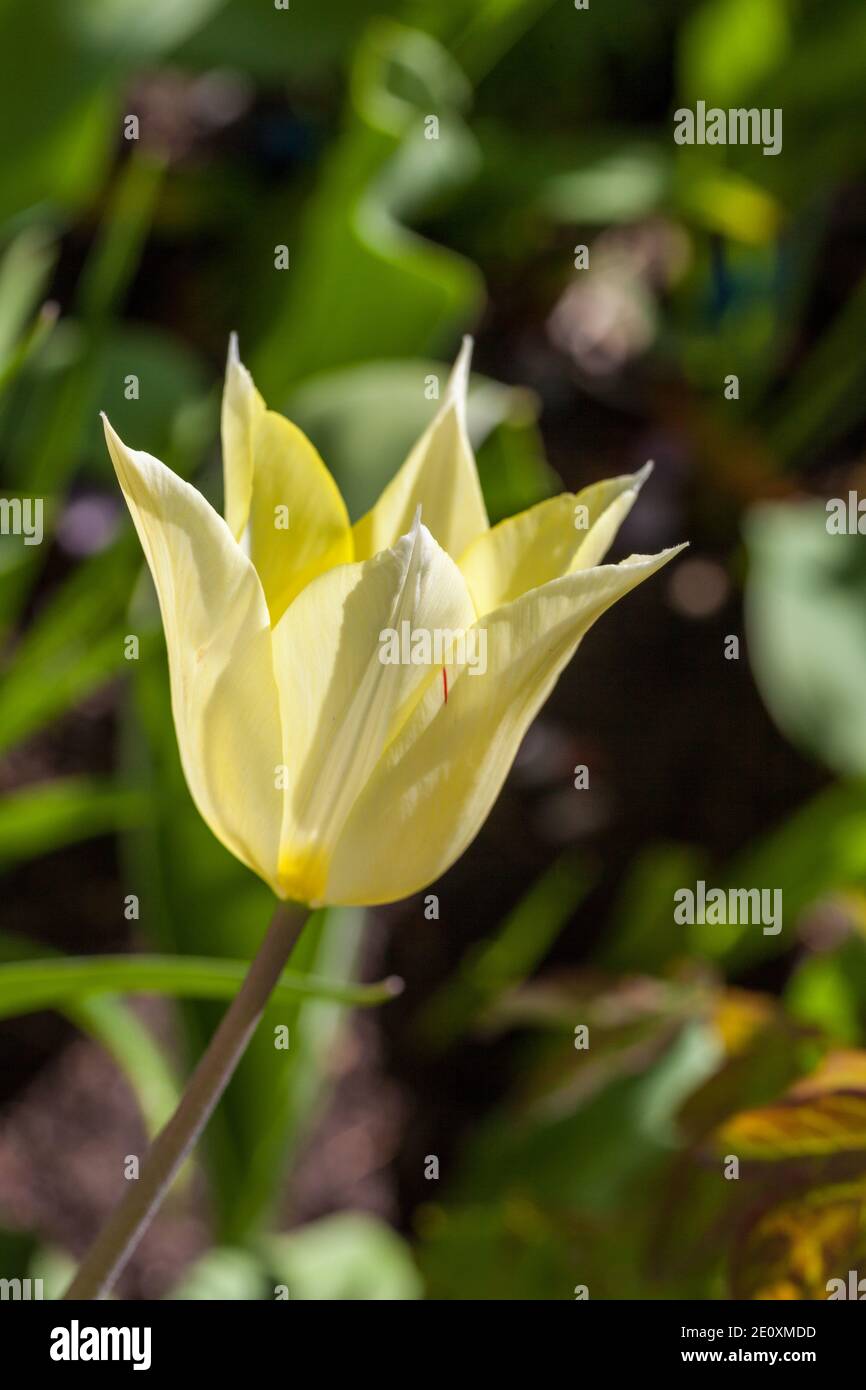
x: 340, y: 777
x: 338, y: 756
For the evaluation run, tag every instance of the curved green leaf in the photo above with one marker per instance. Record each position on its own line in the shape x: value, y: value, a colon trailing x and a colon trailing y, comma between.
x: 366, y: 285
x: 35, y: 820
x: 26, y: 986
x: 805, y: 607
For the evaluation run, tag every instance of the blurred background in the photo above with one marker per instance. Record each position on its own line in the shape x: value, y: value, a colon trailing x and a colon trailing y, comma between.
x: 458, y: 1142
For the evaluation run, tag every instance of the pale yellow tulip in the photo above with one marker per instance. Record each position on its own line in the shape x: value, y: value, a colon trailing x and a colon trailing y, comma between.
x: 336, y: 775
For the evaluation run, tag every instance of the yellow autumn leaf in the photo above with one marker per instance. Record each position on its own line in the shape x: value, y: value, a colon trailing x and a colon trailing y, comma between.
x: 822, y: 1114
x: 809, y: 1247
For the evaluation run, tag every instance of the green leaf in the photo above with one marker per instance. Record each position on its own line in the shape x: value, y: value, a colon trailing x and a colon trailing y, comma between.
x: 118, y: 1029
x: 309, y: 44
x: 806, y: 625
x: 823, y: 398
x: 117, y: 248
x: 36, y: 820
x: 225, y: 1274
x: 502, y: 1251
x: 171, y: 383
x: 630, y: 183
x: 348, y: 1256
x: 512, y: 465
x: 362, y: 285
x: 62, y: 416
x: 545, y: 1199
x: 65, y: 66
x: 643, y: 935
x: 152, y: 1077
x: 365, y: 419
x: 506, y: 958
x: 59, y: 152
x: 26, y: 986
x: 727, y: 47
x: 820, y: 849
x: 585, y: 1154
x: 74, y: 645
x: 828, y: 991
x: 56, y: 1269
x: 124, y: 27
x: 24, y: 273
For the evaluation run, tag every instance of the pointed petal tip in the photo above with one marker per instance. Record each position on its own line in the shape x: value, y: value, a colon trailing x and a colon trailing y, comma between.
x: 458, y: 383
x: 663, y: 556
x: 640, y: 477
x: 234, y: 351
x: 417, y: 534
x: 108, y: 429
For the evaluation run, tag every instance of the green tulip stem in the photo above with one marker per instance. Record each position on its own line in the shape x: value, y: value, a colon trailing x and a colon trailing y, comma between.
x: 130, y: 1219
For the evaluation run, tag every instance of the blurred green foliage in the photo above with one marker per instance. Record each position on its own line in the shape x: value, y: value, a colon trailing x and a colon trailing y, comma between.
x: 598, y: 1168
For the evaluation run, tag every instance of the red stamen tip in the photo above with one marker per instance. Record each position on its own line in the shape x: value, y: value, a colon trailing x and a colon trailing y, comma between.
x: 445, y: 683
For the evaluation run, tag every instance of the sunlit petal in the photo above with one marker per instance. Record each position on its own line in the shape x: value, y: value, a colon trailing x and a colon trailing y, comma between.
x: 217, y: 630
x: 341, y: 703
x: 279, y: 494
x: 439, y: 476
x: 565, y: 533
x: 439, y: 778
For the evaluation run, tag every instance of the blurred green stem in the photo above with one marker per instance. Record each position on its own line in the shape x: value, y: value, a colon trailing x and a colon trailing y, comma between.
x: 130, y: 1219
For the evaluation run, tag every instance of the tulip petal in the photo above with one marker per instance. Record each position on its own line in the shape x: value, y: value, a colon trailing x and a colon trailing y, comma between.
x: 439, y: 778
x: 341, y: 702
x: 439, y: 476
x: 241, y: 405
x: 562, y: 534
x: 277, y: 486
x: 217, y: 630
